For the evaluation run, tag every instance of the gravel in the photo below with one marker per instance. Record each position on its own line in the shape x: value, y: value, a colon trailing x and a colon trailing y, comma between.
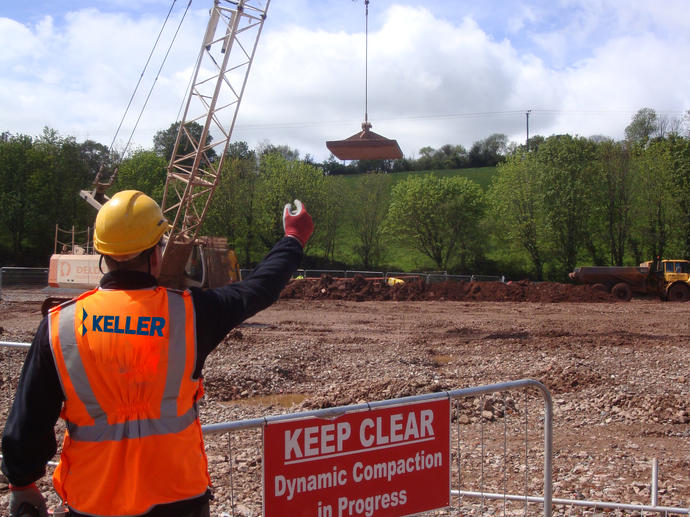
x: 619, y: 375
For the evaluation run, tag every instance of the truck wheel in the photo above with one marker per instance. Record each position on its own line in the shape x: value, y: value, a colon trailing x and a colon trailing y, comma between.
x: 678, y: 293
x: 622, y: 292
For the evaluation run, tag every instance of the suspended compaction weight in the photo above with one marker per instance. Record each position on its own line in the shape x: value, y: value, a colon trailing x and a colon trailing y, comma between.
x: 365, y: 145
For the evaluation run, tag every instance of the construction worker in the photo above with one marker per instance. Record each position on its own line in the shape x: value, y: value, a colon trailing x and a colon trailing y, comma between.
x: 122, y: 365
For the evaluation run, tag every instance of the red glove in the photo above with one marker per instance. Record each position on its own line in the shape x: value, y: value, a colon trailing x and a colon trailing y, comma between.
x: 27, y: 500
x: 297, y: 223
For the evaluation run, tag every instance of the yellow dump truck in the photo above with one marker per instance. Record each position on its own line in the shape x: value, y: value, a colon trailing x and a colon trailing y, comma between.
x: 668, y: 279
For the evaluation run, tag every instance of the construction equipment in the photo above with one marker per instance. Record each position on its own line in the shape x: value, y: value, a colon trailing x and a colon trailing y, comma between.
x: 667, y: 279
x: 213, y: 100
x: 365, y: 145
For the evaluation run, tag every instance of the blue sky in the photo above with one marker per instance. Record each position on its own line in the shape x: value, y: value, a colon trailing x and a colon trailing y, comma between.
x: 448, y: 71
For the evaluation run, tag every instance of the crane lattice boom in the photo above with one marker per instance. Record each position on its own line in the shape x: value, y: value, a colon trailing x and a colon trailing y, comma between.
x: 213, y: 100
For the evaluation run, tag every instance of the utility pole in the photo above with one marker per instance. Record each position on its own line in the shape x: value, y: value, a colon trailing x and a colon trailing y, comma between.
x: 527, y: 116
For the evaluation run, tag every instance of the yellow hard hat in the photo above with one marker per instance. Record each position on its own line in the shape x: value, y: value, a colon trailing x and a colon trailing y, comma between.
x: 129, y: 223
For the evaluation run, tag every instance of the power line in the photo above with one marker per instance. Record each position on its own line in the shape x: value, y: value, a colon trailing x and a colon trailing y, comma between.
x: 478, y: 114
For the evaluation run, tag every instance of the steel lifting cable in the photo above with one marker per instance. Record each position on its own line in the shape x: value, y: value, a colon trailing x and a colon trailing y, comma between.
x: 124, y: 115
x: 157, y: 75
x: 167, y: 53
x: 366, y: 61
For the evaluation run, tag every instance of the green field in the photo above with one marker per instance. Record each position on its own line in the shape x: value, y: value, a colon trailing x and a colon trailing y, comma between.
x: 480, y: 175
x: 395, y: 258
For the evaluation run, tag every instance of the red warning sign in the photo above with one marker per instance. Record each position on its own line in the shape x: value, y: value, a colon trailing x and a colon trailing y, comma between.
x: 391, y: 461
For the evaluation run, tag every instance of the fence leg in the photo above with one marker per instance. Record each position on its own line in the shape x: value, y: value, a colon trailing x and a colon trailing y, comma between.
x: 655, y: 481
x: 526, y: 451
x: 459, y: 452
x: 505, y: 453
x: 232, y: 467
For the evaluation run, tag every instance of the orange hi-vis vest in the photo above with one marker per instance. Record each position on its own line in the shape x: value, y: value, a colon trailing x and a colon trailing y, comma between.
x: 125, y: 360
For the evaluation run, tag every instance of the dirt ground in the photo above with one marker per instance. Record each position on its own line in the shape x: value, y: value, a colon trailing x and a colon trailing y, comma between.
x: 618, y: 372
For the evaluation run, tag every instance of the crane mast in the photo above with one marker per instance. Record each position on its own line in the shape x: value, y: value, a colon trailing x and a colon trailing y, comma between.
x: 213, y: 101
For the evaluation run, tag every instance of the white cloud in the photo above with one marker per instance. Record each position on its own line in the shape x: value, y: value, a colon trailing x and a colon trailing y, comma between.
x: 626, y: 74
x: 17, y: 41
x: 431, y: 81
x: 667, y: 18
x: 421, y: 69
x: 523, y: 16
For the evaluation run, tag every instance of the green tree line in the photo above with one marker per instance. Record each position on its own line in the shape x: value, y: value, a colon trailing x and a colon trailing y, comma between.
x: 560, y: 202
x: 483, y: 153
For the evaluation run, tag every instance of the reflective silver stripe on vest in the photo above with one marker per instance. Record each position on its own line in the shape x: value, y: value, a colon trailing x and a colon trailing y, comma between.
x: 75, y: 366
x: 176, y: 355
x: 168, y: 422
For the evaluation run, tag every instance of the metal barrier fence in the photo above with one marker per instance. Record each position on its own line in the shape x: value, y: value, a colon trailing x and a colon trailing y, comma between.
x: 494, y: 460
x: 484, y: 450
x: 23, y: 277
x: 428, y: 277
x: 493, y: 454
x: 38, y: 277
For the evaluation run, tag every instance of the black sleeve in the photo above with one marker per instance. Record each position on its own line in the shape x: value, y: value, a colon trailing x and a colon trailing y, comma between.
x: 28, y: 441
x: 219, y: 310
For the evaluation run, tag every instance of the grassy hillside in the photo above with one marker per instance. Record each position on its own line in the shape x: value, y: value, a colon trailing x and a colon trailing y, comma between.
x: 396, y: 258
x: 481, y: 175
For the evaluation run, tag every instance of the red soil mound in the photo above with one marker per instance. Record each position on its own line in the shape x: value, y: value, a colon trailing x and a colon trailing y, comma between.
x: 360, y: 288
